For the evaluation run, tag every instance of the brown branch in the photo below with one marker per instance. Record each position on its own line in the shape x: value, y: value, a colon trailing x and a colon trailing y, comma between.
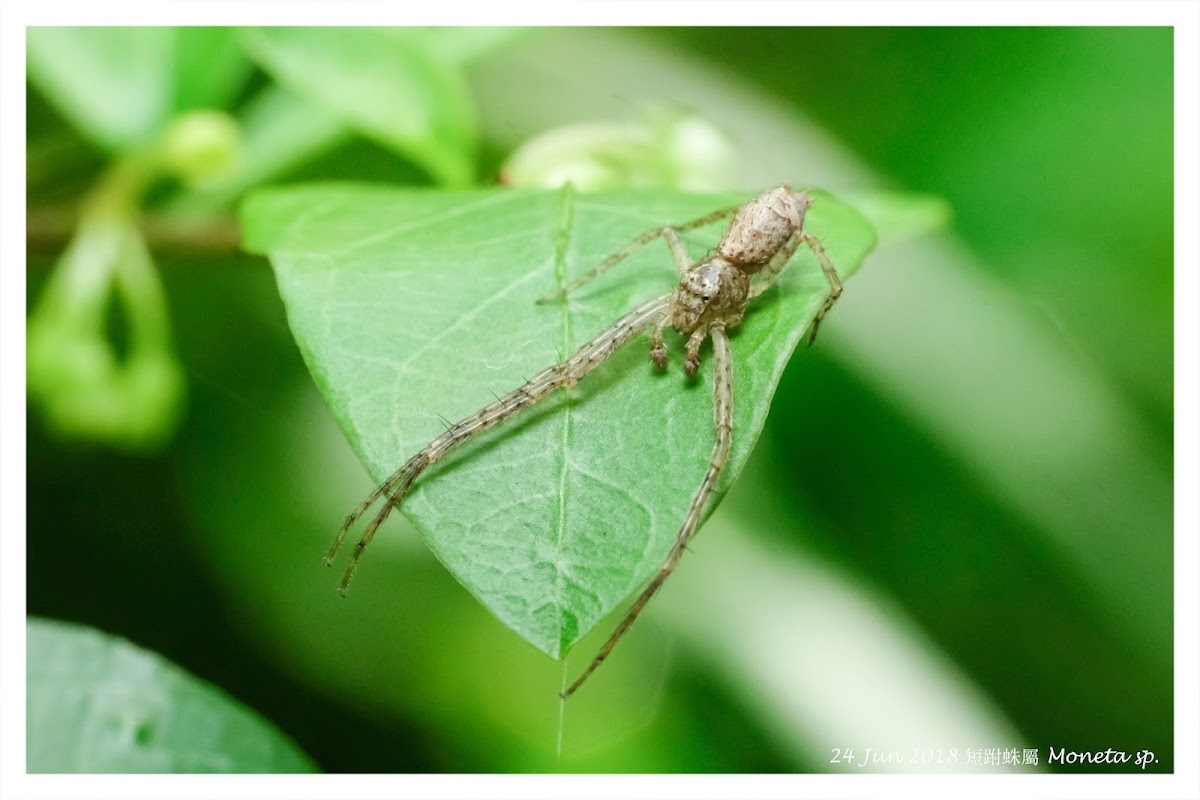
x: 49, y: 229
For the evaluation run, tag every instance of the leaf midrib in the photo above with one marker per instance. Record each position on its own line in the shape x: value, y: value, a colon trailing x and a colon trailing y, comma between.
x: 561, y: 248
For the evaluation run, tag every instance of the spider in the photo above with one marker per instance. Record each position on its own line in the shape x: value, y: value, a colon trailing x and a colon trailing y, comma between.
x: 711, y: 297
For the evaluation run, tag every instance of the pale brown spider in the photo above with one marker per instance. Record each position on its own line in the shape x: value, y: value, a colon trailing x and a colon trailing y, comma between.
x: 712, y: 295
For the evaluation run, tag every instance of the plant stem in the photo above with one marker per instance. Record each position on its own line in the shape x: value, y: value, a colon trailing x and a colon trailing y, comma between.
x: 48, y: 229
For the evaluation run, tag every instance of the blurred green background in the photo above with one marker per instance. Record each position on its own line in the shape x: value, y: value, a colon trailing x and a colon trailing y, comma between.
x: 955, y: 532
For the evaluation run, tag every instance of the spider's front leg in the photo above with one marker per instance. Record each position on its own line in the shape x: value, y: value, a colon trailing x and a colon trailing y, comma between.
x: 566, y: 373
x: 723, y: 423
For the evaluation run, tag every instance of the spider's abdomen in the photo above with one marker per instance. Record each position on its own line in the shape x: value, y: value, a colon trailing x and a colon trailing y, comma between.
x: 712, y: 291
x: 762, y: 227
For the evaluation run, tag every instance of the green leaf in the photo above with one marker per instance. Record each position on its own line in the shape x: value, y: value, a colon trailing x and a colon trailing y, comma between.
x: 389, y: 89
x: 112, y: 83
x: 458, y: 45
x: 901, y: 215
x: 209, y: 66
x: 119, y: 85
x: 96, y: 703
x: 409, y: 305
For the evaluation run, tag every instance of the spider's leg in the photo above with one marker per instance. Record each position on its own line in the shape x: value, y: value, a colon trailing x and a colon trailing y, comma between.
x: 835, y: 283
x: 723, y: 420
x: 678, y: 251
x: 658, y: 350
x: 671, y: 232
x: 692, y: 363
x: 566, y: 373
x: 770, y: 273
x: 388, y: 487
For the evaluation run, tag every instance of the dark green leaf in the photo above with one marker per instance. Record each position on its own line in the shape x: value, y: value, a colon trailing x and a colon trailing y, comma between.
x: 209, y: 67
x: 409, y: 305
x: 391, y: 90
x: 96, y: 703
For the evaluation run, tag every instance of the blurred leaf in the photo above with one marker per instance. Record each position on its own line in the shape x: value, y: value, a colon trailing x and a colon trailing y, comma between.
x: 209, y: 67
x: 282, y: 130
x: 279, y: 131
x: 118, y: 85
x: 900, y: 215
x: 805, y: 644
x: 663, y: 149
x: 112, y: 83
x: 552, y: 520
x: 457, y: 45
x: 96, y: 703
x: 392, y: 91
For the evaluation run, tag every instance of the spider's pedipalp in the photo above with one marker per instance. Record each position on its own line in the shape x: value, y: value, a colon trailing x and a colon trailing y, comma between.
x: 691, y: 364
x: 658, y: 349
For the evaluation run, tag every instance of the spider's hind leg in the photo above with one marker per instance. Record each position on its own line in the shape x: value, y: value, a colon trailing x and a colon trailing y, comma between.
x: 763, y: 280
x: 835, y: 283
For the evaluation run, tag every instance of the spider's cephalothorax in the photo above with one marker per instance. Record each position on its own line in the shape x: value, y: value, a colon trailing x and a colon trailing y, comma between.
x: 712, y: 295
x: 714, y: 292
x: 717, y: 289
x: 761, y: 238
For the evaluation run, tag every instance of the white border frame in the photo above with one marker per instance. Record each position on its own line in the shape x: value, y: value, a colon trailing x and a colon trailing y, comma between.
x: 1183, y: 15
